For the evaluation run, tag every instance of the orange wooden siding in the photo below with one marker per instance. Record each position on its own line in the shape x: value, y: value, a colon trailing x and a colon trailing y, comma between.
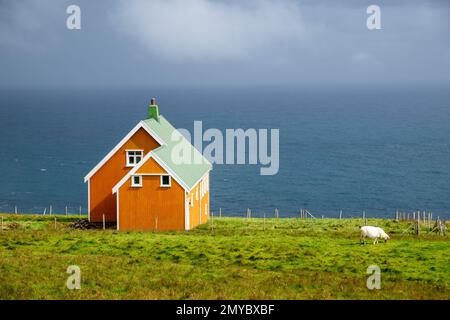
x: 151, y: 207
x: 101, y: 199
x: 198, y: 205
x: 151, y: 166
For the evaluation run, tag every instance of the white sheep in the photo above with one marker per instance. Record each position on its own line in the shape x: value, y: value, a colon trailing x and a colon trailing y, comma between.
x: 373, y: 233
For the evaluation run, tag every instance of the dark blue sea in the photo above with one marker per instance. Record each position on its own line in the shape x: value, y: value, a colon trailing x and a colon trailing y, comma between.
x: 376, y: 149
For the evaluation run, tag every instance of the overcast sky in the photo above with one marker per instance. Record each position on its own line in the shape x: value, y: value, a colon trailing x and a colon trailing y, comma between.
x: 136, y: 43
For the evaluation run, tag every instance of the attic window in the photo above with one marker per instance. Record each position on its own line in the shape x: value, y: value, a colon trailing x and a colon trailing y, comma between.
x: 136, y: 181
x: 133, y: 157
x: 165, y: 181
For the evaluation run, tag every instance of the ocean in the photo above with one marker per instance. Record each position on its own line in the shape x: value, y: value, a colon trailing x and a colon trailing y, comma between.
x: 349, y: 148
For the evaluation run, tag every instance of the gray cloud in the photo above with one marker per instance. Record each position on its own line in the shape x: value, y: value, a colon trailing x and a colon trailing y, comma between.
x: 202, y: 29
x: 219, y: 42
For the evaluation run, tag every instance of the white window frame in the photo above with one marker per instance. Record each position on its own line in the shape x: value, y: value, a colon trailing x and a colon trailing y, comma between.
x: 165, y: 185
x: 135, y: 155
x: 136, y: 185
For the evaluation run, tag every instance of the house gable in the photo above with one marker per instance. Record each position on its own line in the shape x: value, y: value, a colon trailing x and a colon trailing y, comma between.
x: 150, y: 207
x: 101, y: 201
x: 150, y: 167
x: 139, y: 127
x: 151, y: 155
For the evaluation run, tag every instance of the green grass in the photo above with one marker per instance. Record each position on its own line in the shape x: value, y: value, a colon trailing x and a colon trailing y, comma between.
x: 237, y: 259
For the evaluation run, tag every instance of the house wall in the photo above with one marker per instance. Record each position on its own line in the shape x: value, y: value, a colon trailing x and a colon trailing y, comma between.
x: 101, y: 199
x: 140, y: 207
x: 151, y: 166
x: 199, y: 206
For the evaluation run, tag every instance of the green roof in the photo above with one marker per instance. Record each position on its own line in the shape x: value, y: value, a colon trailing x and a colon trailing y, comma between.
x: 188, y: 173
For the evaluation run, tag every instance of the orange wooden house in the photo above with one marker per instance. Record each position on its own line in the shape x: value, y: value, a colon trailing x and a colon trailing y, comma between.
x: 144, y: 184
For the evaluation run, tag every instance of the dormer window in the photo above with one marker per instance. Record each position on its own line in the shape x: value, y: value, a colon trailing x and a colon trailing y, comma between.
x: 133, y: 157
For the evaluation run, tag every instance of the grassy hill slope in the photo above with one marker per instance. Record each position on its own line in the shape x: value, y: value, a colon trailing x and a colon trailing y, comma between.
x: 231, y: 258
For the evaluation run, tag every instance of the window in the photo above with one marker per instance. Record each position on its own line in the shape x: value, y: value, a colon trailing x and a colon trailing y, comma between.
x: 133, y: 157
x: 136, y: 181
x: 165, y: 181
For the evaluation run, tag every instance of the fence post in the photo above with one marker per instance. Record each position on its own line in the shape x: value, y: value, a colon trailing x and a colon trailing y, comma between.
x: 66, y: 210
x: 50, y: 211
x: 277, y: 215
x: 15, y: 209
x: 45, y: 210
x: 340, y: 214
x: 444, y: 228
x: 220, y: 212
x: 418, y: 224
x: 80, y: 211
x: 55, y: 223
x: 103, y: 221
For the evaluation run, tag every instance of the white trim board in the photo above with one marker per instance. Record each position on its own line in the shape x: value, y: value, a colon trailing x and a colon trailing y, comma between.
x: 187, y: 213
x: 89, y: 200
x: 140, y: 125
x: 117, y: 211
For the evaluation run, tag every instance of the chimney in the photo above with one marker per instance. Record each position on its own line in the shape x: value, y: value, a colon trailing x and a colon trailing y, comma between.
x: 153, y: 112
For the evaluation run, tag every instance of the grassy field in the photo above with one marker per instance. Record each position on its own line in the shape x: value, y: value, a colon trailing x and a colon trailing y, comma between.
x: 236, y: 259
